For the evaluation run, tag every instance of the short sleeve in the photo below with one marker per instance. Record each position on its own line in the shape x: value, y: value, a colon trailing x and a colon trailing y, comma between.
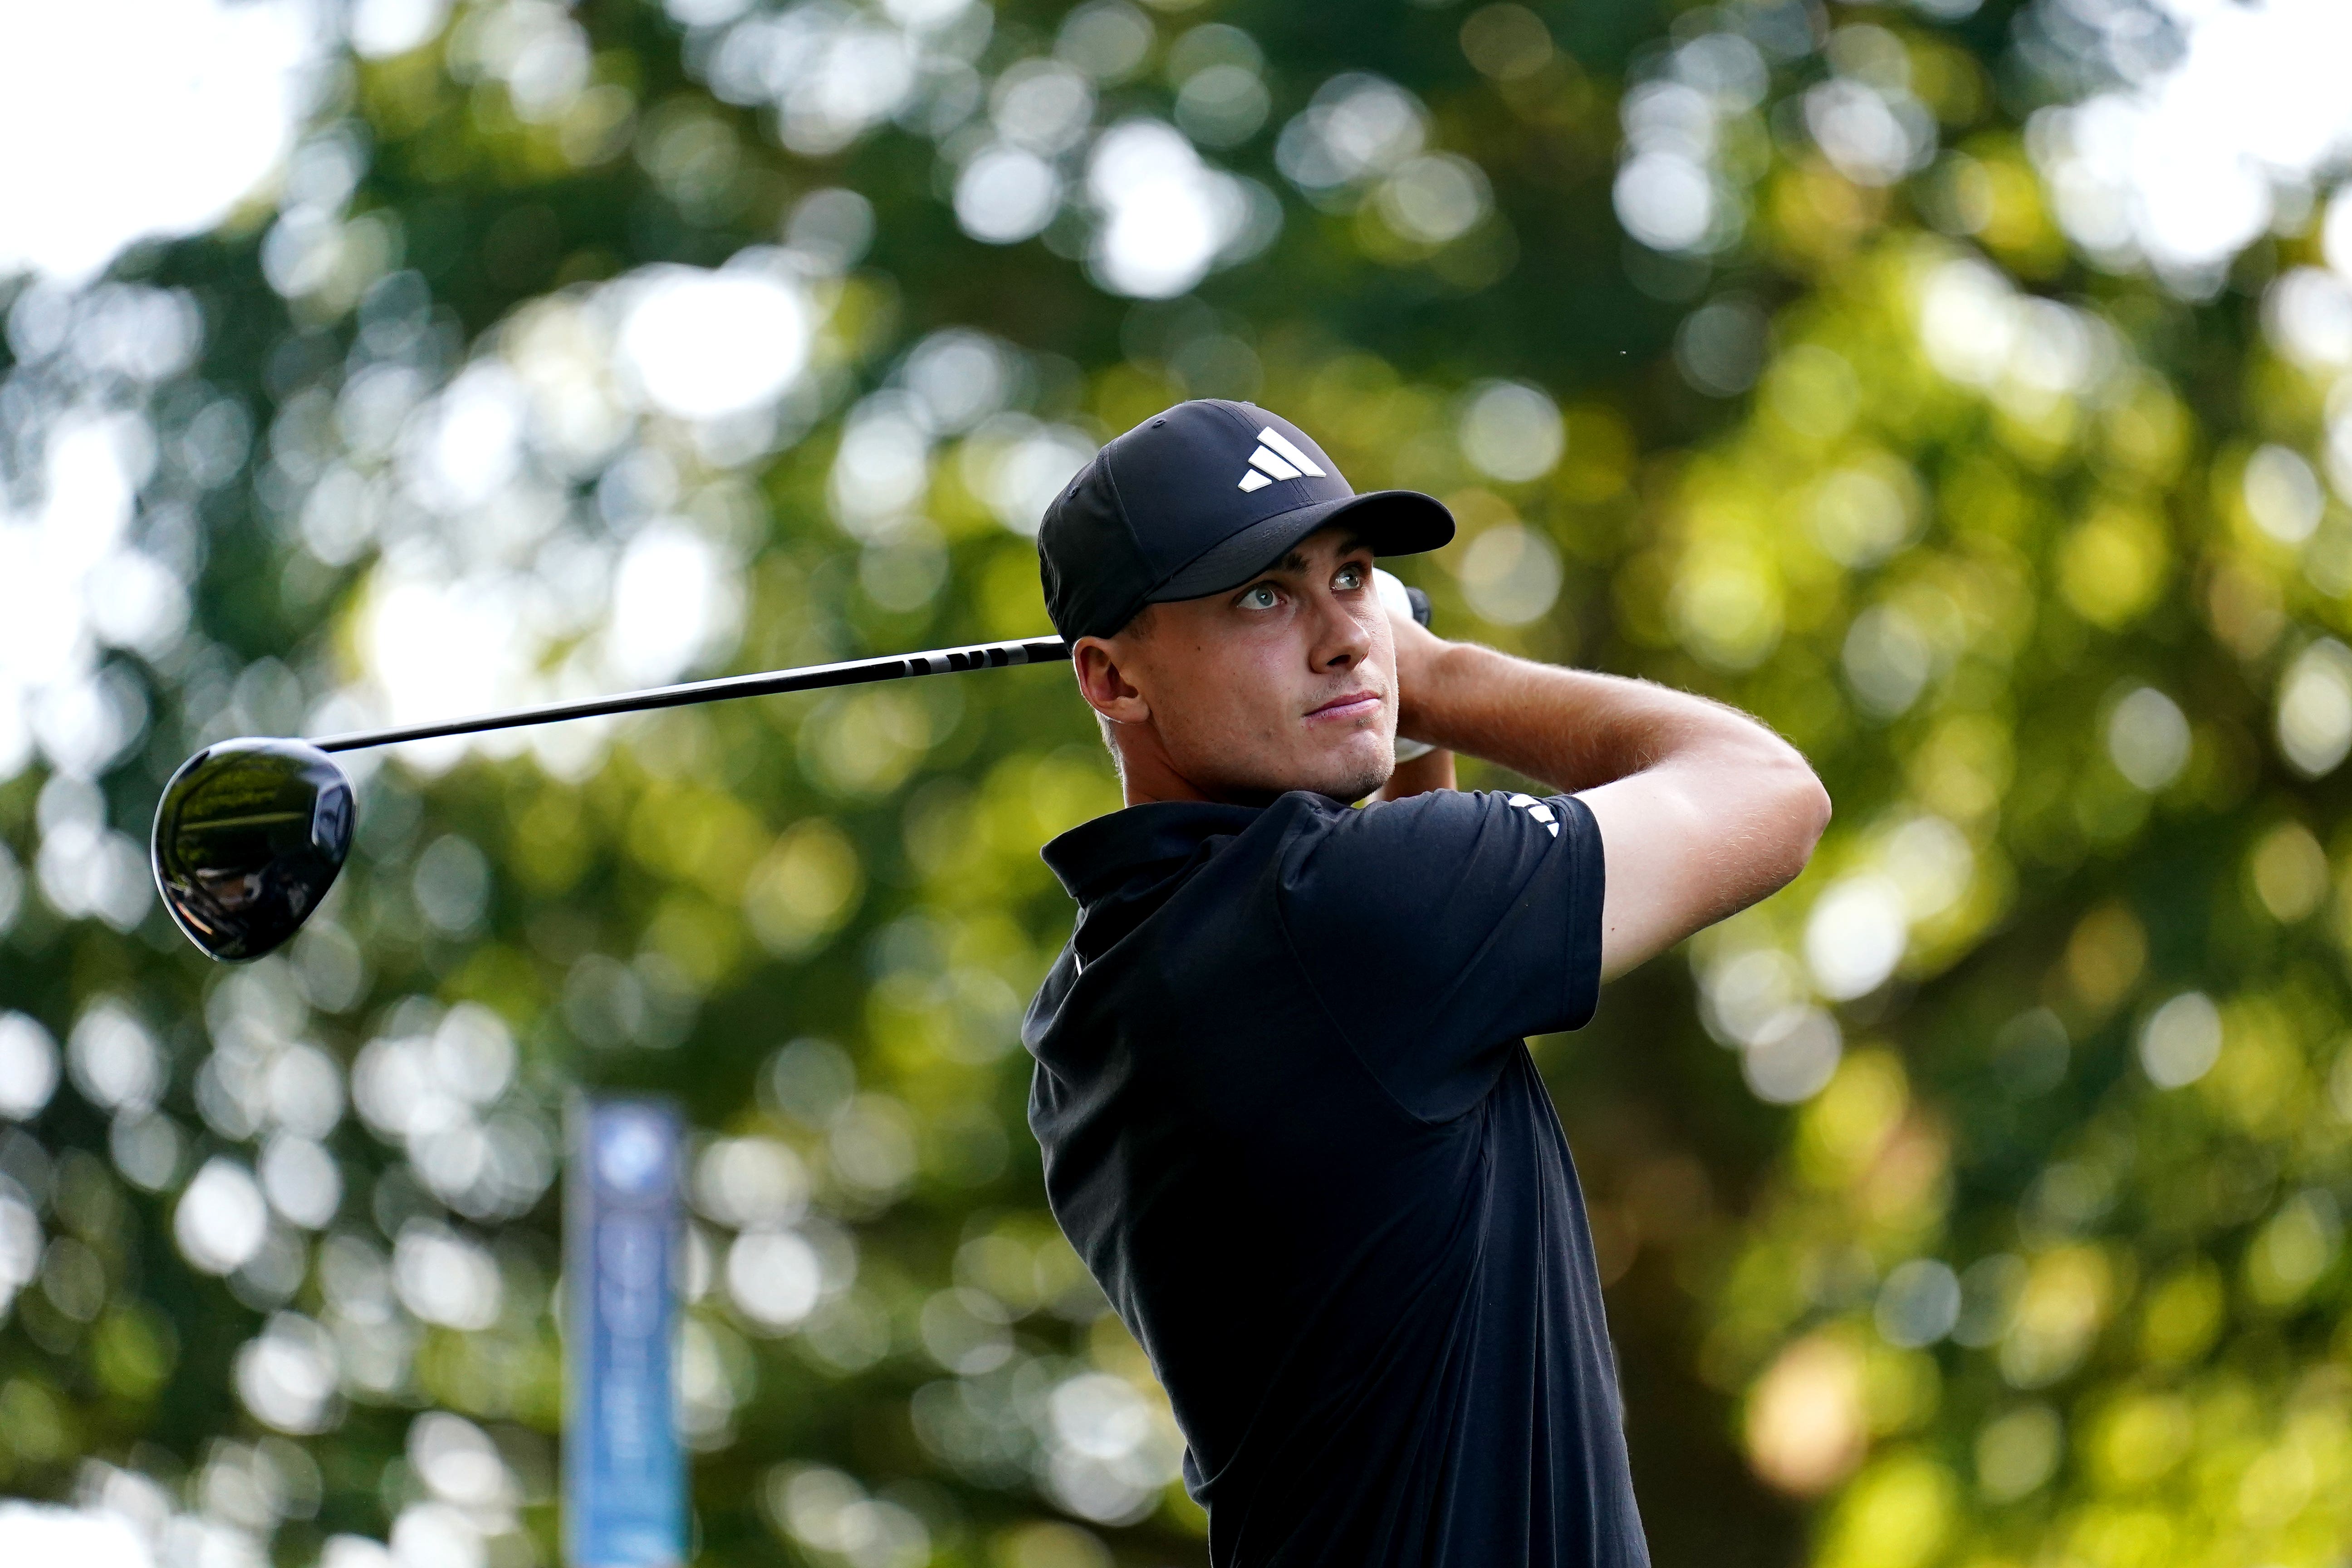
x: 1439, y: 929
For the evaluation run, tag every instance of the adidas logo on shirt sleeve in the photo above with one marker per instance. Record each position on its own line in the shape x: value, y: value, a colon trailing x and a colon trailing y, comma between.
x: 1539, y: 811
x: 1277, y: 457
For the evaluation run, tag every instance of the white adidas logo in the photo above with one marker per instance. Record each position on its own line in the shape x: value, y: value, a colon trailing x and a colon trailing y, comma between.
x: 1276, y: 458
x: 1538, y: 810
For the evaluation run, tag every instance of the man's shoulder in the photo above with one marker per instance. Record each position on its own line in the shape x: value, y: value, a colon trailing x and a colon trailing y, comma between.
x: 1419, y: 823
x: 1305, y: 808
x: 1447, y: 849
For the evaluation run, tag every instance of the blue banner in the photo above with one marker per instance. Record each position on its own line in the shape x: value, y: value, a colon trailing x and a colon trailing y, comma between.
x: 624, y: 1467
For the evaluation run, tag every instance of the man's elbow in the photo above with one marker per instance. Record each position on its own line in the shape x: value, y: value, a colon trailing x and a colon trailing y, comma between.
x: 1800, y: 814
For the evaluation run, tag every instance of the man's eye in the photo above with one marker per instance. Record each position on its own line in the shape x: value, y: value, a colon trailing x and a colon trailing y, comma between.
x: 1348, y: 577
x: 1258, y: 598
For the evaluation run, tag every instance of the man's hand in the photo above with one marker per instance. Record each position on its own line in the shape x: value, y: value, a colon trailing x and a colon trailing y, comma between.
x: 1702, y: 810
x: 1418, y: 649
x: 1432, y: 770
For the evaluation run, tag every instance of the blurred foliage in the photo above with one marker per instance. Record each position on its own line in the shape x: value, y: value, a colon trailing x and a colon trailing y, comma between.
x: 2011, y: 1229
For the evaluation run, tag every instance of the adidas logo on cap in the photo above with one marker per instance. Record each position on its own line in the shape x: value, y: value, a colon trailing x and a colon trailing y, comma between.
x: 1277, y: 457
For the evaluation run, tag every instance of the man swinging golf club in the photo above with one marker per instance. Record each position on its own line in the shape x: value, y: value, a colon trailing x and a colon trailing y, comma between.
x: 1286, y: 1114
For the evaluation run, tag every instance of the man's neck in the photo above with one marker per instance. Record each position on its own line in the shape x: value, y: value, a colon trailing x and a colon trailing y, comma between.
x: 1145, y: 774
x: 1137, y: 790
x: 1140, y: 789
x: 1146, y: 777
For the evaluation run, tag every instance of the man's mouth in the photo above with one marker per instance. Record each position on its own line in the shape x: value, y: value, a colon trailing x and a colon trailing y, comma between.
x: 1350, y: 705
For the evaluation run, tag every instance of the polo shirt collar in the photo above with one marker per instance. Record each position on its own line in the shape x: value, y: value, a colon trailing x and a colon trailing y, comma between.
x: 1139, y: 842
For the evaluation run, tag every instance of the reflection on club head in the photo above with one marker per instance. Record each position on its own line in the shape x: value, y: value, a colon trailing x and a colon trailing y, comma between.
x: 249, y: 838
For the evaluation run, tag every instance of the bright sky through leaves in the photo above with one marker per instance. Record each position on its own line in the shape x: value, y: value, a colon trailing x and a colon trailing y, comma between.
x: 126, y: 118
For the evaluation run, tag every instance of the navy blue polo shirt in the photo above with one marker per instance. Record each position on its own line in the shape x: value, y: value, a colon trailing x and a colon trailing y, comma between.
x: 1289, y: 1121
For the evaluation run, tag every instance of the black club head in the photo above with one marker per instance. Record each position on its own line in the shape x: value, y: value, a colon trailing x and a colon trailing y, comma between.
x: 249, y: 838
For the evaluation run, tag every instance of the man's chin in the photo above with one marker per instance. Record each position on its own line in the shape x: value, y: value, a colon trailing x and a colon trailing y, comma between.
x: 1342, y: 778
x: 1352, y: 778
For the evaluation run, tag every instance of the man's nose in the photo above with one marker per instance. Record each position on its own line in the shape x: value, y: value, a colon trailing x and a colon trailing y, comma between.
x: 1340, y: 639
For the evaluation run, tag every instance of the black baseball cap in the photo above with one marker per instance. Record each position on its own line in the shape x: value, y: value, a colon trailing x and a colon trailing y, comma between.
x: 1199, y: 500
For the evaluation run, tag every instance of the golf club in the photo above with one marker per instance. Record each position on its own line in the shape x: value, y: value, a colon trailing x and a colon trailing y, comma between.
x: 251, y: 833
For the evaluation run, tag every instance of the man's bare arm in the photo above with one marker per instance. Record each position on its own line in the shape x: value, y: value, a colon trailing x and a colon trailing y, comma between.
x: 1702, y: 810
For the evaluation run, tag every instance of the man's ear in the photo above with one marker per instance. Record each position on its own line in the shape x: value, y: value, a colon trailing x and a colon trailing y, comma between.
x: 1105, y: 685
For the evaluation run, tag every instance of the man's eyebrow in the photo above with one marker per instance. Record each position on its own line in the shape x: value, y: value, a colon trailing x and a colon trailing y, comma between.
x: 1297, y: 560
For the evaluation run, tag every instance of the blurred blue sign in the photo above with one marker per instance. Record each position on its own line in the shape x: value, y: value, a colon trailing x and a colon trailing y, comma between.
x: 623, y: 1469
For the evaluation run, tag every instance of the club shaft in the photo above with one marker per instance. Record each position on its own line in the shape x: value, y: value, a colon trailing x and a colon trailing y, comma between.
x: 813, y: 677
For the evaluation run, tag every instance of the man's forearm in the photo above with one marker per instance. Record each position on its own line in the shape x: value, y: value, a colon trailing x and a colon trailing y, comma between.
x: 1572, y: 729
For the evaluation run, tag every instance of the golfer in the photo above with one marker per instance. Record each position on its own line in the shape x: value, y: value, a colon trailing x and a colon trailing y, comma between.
x: 1287, y: 1116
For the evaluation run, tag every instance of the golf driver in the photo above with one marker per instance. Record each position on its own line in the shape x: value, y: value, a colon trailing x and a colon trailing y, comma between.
x: 251, y: 833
